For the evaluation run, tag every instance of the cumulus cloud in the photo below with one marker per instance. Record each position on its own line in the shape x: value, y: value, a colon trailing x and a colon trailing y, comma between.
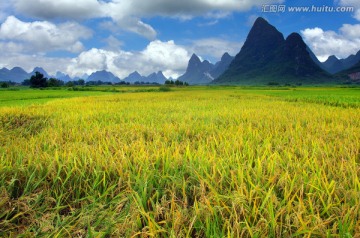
x: 341, y: 44
x: 49, y: 9
x: 157, y: 56
x: 352, y: 3
x: 120, y: 9
x: 43, y: 36
x: 166, y: 56
x: 187, y: 7
x: 128, y: 15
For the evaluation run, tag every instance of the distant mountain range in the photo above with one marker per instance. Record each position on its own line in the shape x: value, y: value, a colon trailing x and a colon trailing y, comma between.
x: 18, y: 75
x: 104, y: 76
x: 197, y: 72
x: 204, y: 72
x: 334, y: 65
x: 351, y: 75
x: 266, y: 57
x: 152, y: 78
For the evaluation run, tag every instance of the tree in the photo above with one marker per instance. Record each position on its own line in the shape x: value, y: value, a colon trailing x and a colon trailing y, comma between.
x: 38, y: 80
x: 53, y: 82
x: 26, y: 82
x: 70, y: 84
x: 179, y: 83
x: 81, y: 82
x: 4, y: 85
x: 169, y: 82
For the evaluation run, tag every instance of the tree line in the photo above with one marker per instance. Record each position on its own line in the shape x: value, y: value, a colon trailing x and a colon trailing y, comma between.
x: 177, y: 83
x: 38, y: 80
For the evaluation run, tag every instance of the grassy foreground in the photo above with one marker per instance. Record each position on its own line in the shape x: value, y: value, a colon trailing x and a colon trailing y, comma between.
x: 196, y: 162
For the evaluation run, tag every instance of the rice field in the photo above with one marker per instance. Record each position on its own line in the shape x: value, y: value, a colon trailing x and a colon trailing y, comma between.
x: 191, y: 162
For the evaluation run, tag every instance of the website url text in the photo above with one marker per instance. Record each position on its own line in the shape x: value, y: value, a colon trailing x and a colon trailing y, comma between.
x: 316, y: 9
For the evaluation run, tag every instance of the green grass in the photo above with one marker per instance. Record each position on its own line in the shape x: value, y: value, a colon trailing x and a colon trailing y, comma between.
x: 23, y: 96
x: 341, y: 97
x: 191, y: 162
x: 26, y: 97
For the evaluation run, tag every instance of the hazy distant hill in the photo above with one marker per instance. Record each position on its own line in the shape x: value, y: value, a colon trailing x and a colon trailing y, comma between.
x: 351, y: 75
x: 152, y: 78
x: 16, y: 75
x: 197, y: 72
x: 156, y: 78
x: 40, y: 70
x: 204, y: 72
x: 134, y: 77
x: 222, y: 65
x: 335, y: 65
x: 103, y: 76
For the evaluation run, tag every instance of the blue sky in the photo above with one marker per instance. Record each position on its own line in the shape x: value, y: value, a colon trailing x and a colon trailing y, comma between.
x: 121, y: 36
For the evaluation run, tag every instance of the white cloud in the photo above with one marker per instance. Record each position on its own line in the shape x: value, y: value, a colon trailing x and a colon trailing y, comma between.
x: 325, y: 43
x: 216, y: 8
x: 157, y: 56
x: 128, y: 14
x: 166, y: 55
x: 351, y: 3
x: 43, y: 36
x: 351, y: 31
x: 113, y: 43
x: 210, y: 23
x: 50, y: 9
x: 135, y: 25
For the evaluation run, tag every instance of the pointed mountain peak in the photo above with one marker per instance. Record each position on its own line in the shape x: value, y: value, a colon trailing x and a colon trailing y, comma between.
x: 226, y: 57
x: 295, y: 40
x: 160, y: 73
x: 40, y: 70
x: 195, y: 58
x: 294, y: 37
x: 135, y: 73
x: 206, y: 62
x: 261, y: 22
x: 18, y: 70
x: 332, y: 58
x: 59, y: 74
x: 263, y: 38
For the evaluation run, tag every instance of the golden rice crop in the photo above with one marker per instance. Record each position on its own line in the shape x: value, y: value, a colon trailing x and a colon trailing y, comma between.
x: 188, y: 163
